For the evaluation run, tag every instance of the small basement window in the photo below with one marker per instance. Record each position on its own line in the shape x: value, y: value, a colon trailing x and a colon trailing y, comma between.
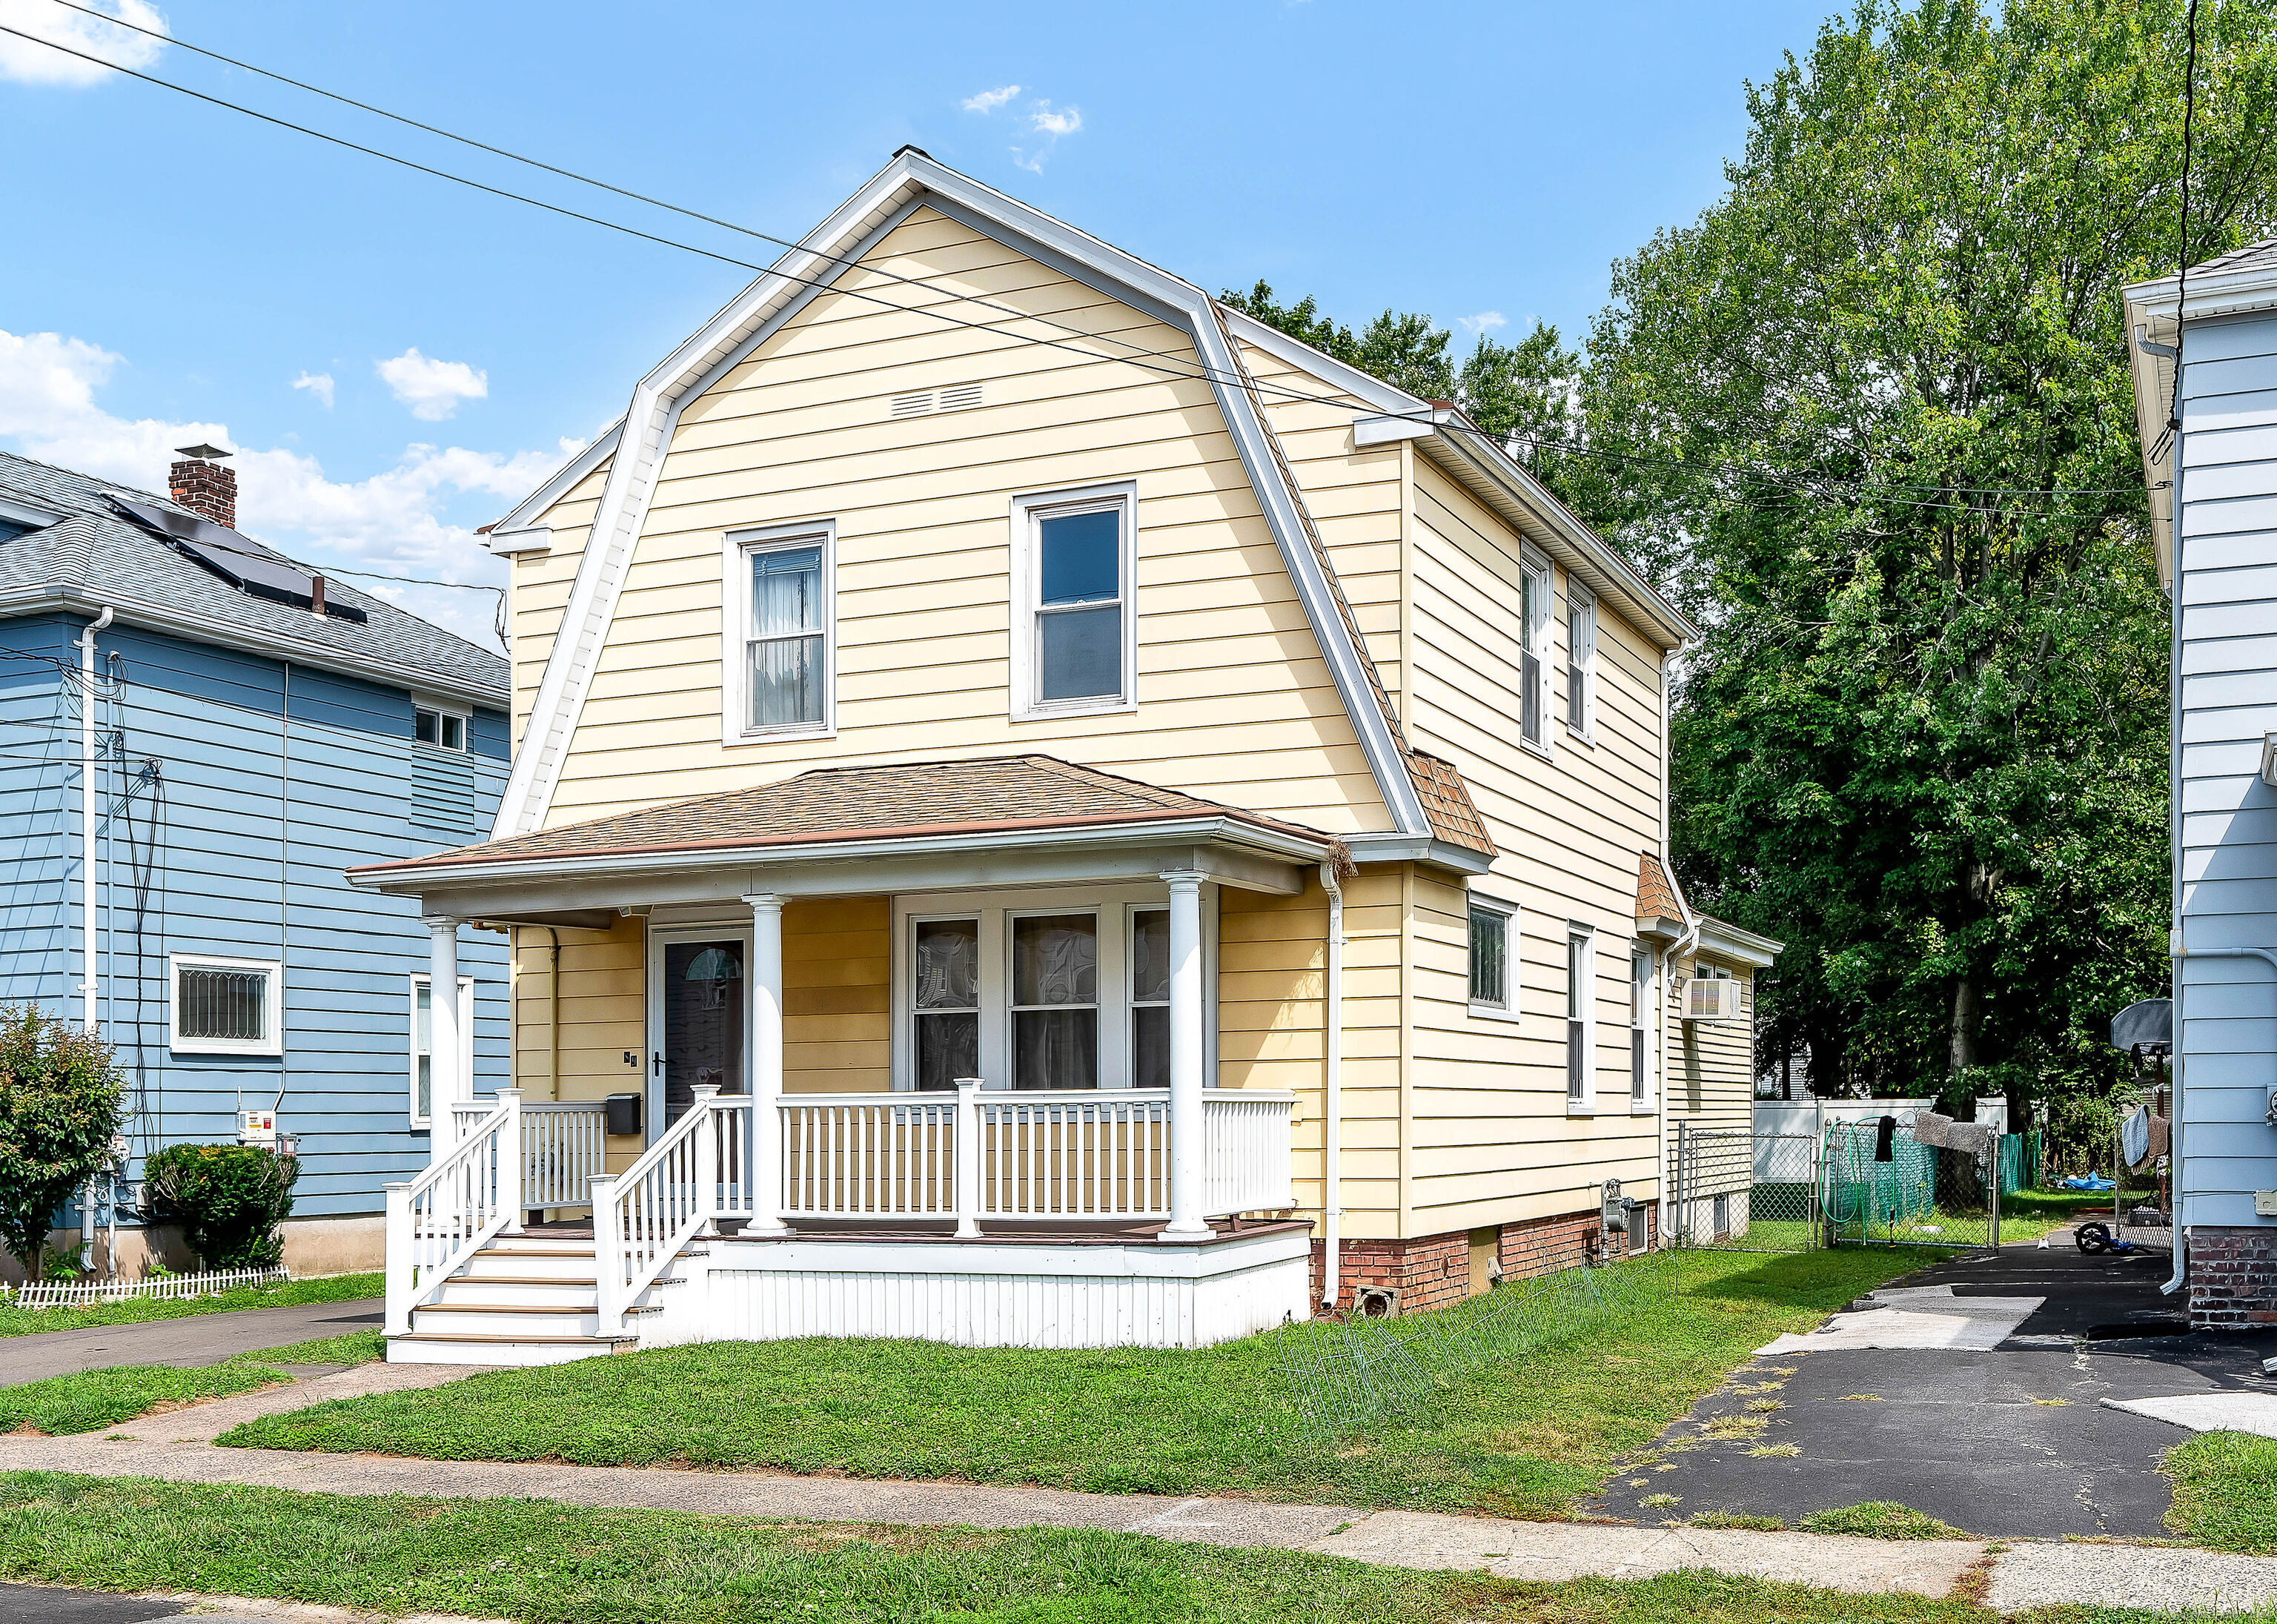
x: 224, y: 1006
x: 442, y: 729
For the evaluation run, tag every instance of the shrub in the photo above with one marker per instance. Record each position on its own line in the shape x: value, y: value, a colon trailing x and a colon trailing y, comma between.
x: 228, y: 1199
x: 61, y: 1100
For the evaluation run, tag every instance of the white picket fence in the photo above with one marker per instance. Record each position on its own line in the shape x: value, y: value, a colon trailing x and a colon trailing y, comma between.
x: 82, y: 1293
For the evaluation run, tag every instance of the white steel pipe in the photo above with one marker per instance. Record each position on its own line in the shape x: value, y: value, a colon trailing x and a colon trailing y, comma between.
x: 1332, y: 1092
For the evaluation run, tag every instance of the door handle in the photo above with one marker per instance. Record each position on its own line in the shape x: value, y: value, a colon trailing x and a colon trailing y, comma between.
x: 656, y: 1063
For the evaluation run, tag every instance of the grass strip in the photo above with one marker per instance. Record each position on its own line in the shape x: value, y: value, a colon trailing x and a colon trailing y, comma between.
x: 545, y: 1563
x: 87, y: 1400
x: 1527, y: 1438
x: 2226, y: 1491
x: 15, y: 1322
x: 1880, y: 1519
x: 355, y: 1347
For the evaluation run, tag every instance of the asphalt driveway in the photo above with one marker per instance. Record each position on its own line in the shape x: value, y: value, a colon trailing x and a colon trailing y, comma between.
x: 192, y: 1339
x: 2009, y: 1441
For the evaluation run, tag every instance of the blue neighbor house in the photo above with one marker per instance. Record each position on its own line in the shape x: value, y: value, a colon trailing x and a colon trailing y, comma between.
x: 197, y: 737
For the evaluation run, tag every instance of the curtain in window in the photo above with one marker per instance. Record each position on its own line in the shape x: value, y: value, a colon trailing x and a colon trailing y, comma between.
x: 947, y: 996
x: 1150, y: 999
x: 1055, y: 1001
x: 786, y: 649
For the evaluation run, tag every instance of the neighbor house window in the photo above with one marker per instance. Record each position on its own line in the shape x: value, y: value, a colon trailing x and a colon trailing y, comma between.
x: 441, y: 730
x: 945, y: 995
x: 1073, y: 636
x: 1639, y: 1018
x: 1533, y: 642
x: 226, y: 1006
x: 1056, y: 1001
x: 781, y: 625
x: 1578, y: 993
x: 1150, y: 998
x: 1490, y: 957
x: 1580, y: 662
x: 422, y: 1043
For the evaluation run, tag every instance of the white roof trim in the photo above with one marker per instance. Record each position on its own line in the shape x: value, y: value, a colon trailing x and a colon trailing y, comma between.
x: 1728, y: 940
x: 564, y: 479
x: 823, y: 255
x: 1487, y: 469
x: 16, y: 511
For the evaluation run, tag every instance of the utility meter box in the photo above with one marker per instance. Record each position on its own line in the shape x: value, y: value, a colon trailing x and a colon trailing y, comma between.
x: 258, y: 1128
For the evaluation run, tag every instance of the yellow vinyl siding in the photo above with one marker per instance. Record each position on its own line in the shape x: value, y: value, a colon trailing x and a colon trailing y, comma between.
x: 1234, y: 700
x: 838, y: 996
x: 1711, y: 1081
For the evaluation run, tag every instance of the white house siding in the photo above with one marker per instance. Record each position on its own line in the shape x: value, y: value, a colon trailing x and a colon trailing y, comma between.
x: 2226, y: 592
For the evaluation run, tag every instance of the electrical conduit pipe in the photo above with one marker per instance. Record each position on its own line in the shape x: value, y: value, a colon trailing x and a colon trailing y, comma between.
x: 90, y: 986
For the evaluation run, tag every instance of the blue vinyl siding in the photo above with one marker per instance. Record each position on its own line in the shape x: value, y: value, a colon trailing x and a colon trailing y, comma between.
x: 273, y: 780
x: 2225, y: 586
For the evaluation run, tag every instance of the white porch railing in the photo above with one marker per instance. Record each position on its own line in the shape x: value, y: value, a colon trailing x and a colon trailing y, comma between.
x: 868, y: 1155
x: 438, y: 1220
x: 564, y: 1146
x: 1087, y: 1154
x: 1246, y: 1149
x: 642, y: 1216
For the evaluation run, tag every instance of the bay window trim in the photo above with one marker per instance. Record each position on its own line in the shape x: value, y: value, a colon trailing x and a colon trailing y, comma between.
x: 737, y: 549
x: 1028, y: 513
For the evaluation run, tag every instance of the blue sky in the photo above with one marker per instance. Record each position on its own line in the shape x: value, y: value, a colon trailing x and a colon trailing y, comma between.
x: 397, y: 359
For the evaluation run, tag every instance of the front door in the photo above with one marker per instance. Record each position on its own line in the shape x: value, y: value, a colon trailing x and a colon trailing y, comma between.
x: 698, y: 1001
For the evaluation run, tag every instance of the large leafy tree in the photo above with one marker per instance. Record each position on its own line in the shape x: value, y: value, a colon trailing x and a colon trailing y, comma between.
x: 1870, y: 417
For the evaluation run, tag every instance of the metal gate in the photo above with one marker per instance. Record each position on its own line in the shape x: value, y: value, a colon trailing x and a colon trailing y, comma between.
x: 1900, y: 1192
x: 1742, y: 1191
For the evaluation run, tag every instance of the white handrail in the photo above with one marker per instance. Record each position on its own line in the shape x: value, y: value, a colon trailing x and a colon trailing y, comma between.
x: 438, y: 1220
x: 644, y: 1216
x: 1247, y: 1150
x: 564, y: 1144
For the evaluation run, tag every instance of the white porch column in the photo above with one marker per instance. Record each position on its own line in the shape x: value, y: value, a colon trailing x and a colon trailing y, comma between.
x: 446, y: 1087
x: 1187, y: 1162
x: 765, y: 1037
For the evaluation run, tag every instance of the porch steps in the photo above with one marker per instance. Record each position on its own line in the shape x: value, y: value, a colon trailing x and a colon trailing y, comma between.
x: 523, y: 1300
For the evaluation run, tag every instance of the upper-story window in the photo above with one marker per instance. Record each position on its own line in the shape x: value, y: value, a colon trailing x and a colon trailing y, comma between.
x: 437, y: 728
x: 1534, y: 598
x: 782, y: 638
x: 1580, y: 662
x: 1073, y: 643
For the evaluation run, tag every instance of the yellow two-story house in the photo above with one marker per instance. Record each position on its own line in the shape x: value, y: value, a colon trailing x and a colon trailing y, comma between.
x: 1047, y: 811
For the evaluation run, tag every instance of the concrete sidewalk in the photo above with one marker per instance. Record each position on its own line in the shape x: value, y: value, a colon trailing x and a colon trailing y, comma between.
x: 188, y: 1340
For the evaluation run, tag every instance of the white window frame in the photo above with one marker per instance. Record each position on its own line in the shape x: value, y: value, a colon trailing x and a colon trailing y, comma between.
x: 1582, y: 660
x: 737, y: 548
x: 1581, y: 1013
x: 1131, y: 912
x: 272, y: 1042
x: 1507, y: 1008
x: 1536, y: 640
x: 466, y: 744
x: 1028, y: 513
x: 1644, y: 983
x: 421, y: 980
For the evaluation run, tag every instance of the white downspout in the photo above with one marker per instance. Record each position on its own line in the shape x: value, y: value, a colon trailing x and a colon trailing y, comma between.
x: 90, y: 987
x: 1332, y: 1051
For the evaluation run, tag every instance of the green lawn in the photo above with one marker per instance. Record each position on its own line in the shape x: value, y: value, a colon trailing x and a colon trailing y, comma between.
x: 1528, y: 1439
x: 91, y: 1399
x: 545, y: 1563
x: 15, y: 1322
x: 2226, y: 1491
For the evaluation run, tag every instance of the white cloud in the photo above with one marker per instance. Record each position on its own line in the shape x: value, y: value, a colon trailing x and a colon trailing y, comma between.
x: 1484, y: 323
x: 317, y: 384
x: 989, y: 101
x: 1051, y: 123
x: 32, y: 64
x: 433, y: 389
x: 395, y: 521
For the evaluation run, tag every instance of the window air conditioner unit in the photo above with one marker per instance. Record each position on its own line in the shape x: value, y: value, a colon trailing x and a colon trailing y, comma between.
x: 1711, y: 998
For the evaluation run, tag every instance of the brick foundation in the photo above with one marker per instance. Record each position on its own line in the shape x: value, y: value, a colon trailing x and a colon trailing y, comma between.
x: 2232, y: 1278
x: 1431, y: 1271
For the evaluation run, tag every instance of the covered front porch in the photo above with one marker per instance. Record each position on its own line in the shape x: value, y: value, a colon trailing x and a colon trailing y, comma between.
x: 984, y: 1109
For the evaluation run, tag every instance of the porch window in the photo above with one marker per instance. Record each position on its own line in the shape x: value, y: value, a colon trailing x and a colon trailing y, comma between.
x: 946, y: 985
x: 1533, y: 644
x: 1150, y: 998
x: 422, y: 1043
x: 1073, y: 557
x: 1056, y: 1001
x: 781, y: 677
x: 1580, y: 662
x: 1578, y: 992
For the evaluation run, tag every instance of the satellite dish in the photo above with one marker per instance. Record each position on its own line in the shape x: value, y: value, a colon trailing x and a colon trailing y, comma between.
x: 2150, y: 1021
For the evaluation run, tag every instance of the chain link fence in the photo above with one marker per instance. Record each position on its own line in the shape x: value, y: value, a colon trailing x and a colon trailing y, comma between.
x: 1890, y: 1190
x: 1742, y: 1191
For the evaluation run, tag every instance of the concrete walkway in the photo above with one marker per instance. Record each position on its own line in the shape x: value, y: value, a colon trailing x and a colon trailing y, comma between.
x: 191, y: 1339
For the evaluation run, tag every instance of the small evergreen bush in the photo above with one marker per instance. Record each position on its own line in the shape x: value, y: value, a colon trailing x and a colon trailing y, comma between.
x: 61, y: 1100
x: 228, y: 1199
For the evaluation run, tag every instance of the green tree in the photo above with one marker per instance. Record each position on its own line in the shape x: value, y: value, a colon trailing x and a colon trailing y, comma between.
x: 60, y: 1103
x: 1869, y: 417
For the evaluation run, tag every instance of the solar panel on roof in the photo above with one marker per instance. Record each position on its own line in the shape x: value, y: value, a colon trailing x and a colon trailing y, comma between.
x: 241, y: 562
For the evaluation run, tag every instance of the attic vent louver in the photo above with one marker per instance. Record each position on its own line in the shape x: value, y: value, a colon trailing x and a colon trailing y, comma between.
x: 912, y: 405
x: 959, y: 396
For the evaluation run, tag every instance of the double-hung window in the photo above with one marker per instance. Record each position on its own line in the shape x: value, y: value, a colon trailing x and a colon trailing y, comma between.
x: 945, y: 999
x: 1534, y: 601
x: 779, y: 624
x: 1580, y: 662
x: 1579, y: 995
x: 1150, y: 997
x: 422, y: 1043
x: 226, y: 1006
x: 1493, y: 925
x: 1056, y: 1001
x: 1073, y: 638
x: 1641, y: 983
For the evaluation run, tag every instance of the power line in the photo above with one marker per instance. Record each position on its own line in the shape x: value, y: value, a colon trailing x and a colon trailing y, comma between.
x: 1178, y: 367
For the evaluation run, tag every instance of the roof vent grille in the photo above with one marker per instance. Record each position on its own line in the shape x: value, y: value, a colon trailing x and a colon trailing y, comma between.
x: 912, y: 405
x: 957, y: 397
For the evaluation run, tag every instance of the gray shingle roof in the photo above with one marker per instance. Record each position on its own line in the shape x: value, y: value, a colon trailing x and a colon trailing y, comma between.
x: 94, y: 552
x: 2253, y: 256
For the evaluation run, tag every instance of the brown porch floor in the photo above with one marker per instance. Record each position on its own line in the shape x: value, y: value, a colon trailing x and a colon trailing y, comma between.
x: 945, y: 1232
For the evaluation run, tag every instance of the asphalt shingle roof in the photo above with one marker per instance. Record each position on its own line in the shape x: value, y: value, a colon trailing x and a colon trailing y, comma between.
x: 95, y: 551
x: 999, y: 794
x: 2253, y: 256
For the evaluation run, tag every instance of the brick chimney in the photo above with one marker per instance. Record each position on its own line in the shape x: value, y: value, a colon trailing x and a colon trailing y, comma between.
x: 202, y: 484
